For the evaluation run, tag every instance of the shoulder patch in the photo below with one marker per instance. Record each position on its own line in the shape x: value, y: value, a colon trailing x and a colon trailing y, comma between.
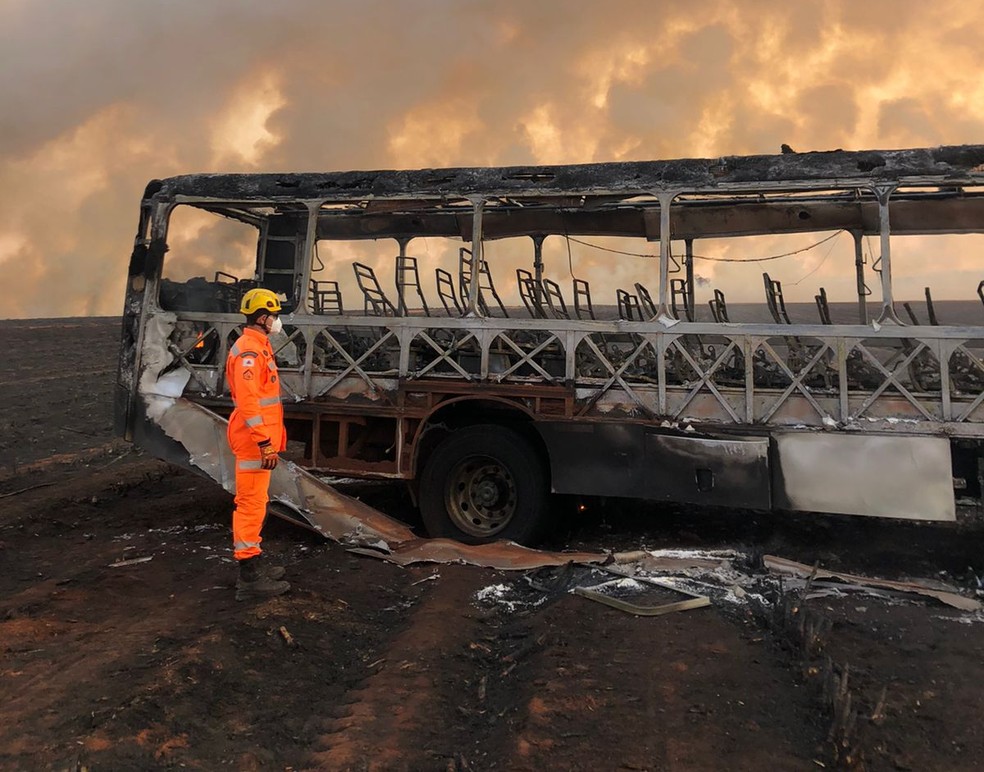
x: 248, y: 361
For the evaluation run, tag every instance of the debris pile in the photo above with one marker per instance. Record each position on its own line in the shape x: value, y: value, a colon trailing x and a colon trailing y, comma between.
x: 654, y: 582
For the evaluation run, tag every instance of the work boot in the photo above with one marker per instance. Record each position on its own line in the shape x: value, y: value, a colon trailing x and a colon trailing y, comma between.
x: 255, y: 581
x: 264, y: 567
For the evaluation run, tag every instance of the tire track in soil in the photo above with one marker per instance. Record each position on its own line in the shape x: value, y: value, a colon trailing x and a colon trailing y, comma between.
x: 399, y: 717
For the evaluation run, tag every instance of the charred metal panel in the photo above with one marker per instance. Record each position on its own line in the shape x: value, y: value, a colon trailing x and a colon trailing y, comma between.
x: 957, y: 164
x: 150, y: 437
x: 903, y: 477
x: 595, y: 459
x: 707, y: 470
x: 633, y: 460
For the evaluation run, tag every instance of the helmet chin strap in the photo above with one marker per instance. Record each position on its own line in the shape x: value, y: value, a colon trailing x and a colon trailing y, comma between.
x: 261, y: 324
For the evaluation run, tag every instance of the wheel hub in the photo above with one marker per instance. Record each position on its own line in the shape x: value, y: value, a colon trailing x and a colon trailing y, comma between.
x: 486, y: 493
x: 481, y: 496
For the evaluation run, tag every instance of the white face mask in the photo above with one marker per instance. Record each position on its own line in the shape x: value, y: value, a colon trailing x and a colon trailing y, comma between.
x: 274, y: 326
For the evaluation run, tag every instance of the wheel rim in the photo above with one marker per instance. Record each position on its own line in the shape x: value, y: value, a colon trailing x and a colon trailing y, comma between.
x: 480, y: 496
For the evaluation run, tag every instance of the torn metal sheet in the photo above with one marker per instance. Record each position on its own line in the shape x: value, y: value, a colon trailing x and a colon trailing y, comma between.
x: 504, y: 555
x: 649, y: 561
x: 791, y: 568
x: 131, y: 562
x: 332, y: 514
x: 825, y: 589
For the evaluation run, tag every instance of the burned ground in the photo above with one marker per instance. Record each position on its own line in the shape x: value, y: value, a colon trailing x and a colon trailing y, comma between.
x: 365, y: 665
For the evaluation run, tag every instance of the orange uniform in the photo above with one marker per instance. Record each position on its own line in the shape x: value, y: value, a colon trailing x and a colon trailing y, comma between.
x: 258, y: 417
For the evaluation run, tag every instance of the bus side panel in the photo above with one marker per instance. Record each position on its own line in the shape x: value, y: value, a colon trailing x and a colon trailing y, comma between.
x: 594, y: 459
x: 633, y: 460
x: 883, y: 476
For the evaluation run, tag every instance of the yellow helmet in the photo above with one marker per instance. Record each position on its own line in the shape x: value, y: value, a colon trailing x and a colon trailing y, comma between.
x: 259, y: 299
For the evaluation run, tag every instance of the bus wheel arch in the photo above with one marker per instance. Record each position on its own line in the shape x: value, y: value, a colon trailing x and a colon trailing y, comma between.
x: 461, y: 412
x: 482, y: 473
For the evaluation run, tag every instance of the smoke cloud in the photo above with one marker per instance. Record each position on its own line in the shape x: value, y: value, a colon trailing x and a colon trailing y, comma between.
x: 101, y: 96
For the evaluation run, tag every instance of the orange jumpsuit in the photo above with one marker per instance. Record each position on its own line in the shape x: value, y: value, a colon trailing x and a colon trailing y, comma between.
x: 251, y: 373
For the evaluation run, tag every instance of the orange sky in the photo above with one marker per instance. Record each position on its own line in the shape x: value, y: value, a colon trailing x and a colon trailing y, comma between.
x: 100, y: 96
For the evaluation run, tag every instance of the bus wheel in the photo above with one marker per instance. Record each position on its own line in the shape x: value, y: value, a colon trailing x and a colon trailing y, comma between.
x: 483, y: 483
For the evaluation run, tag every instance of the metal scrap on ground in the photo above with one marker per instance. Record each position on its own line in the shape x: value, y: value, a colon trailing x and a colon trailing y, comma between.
x: 131, y: 562
x: 786, y: 567
x: 719, y: 577
x: 504, y: 555
x: 692, y: 601
x: 645, y: 583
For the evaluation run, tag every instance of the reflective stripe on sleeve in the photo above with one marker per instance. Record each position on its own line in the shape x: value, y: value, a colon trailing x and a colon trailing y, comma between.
x: 267, y: 401
x: 245, y: 545
x: 256, y: 420
x: 236, y: 351
x: 249, y: 464
x: 272, y: 365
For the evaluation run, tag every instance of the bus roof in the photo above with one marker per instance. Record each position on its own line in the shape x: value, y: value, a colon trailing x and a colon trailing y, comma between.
x: 949, y: 165
x: 940, y: 190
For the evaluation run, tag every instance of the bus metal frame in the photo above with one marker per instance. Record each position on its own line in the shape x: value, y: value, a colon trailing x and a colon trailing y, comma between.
x: 876, y: 418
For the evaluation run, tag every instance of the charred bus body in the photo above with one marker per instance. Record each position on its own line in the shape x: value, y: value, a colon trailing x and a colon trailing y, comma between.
x: 487, y: 385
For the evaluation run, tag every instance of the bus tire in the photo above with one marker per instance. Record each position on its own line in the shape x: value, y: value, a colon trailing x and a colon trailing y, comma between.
x: 481, y: 484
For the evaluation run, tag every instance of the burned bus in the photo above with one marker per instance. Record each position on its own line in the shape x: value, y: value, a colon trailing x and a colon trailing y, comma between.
x: 492, y: 336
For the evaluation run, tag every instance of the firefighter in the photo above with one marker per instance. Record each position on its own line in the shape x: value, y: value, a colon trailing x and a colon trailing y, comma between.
x: 256, y: 435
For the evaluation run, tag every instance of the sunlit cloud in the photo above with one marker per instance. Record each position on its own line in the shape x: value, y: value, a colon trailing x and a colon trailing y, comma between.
x: 240, y: 134
x: 186, y: 87
x: 432, y: 133
x: 546, y: 139
x: 12, y: 243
